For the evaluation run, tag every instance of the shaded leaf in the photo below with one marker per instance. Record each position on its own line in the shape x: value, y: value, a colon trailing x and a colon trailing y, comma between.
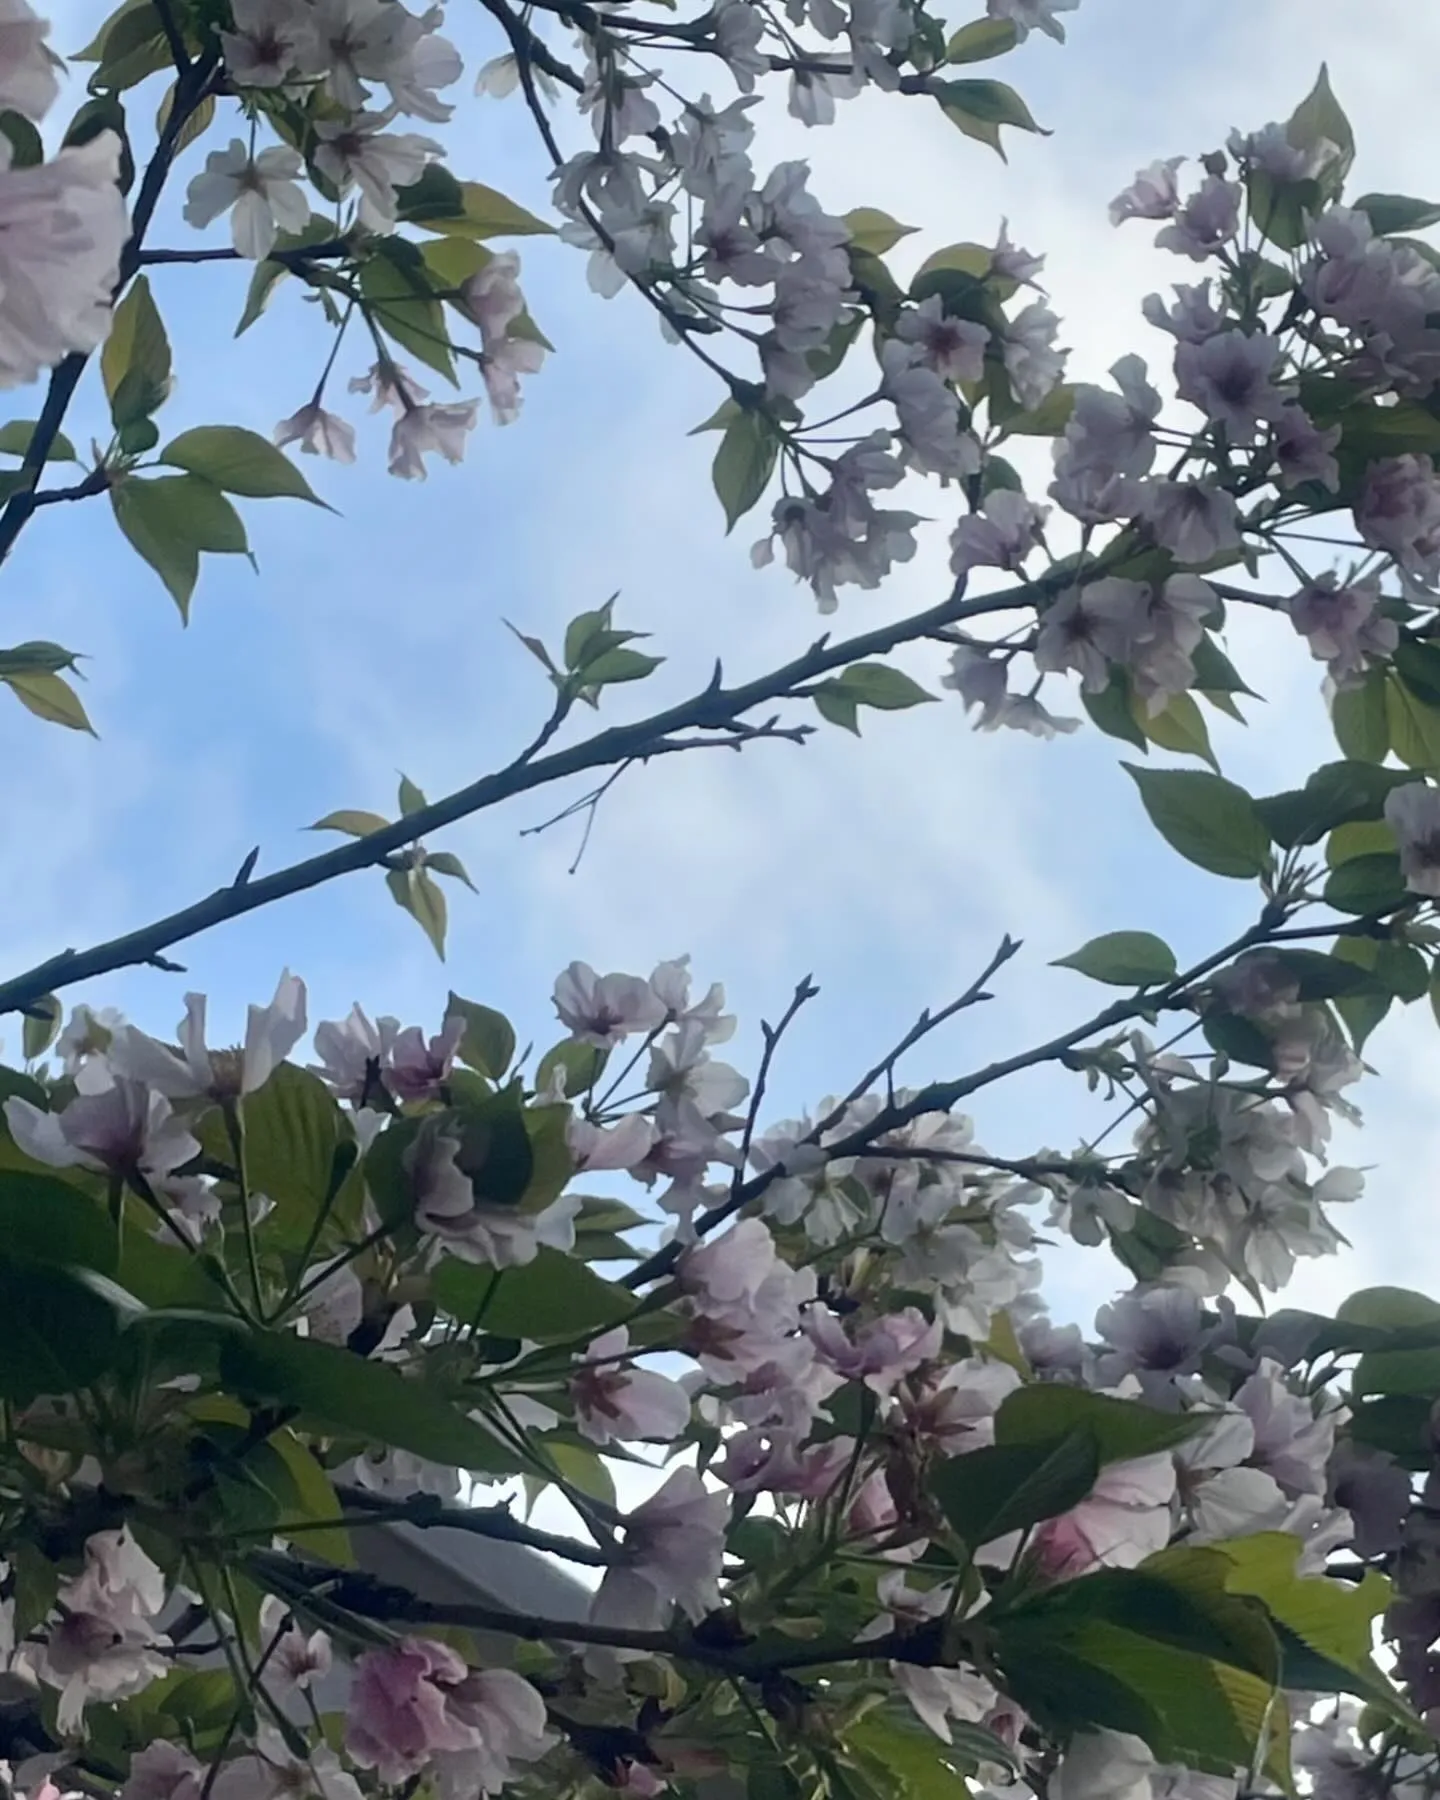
x: 238, y: 461
x: 744, y: 464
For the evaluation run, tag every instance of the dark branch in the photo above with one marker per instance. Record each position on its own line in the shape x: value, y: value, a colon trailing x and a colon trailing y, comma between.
x: 495, y: 1522
x: 707, y: 711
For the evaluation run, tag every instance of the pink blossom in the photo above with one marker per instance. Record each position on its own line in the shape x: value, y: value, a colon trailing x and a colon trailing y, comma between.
x: 296, y: 1660
x: 1343, y: 626
x: 318, y: 433
x: 1125, y: 1518
x: 509, y: 1722
x: 614, y: 1402
x: 953, y: 348
x: 163, y: 1771
x: 603, y: 1009
x: 192, y: 1070
x: 1206, y: 222
x: 1230, y: 377
x: 618, y: 1146
x: 674, y: 1543
x: 400, y: 1715
x: 419, y: 1070
x: 124, y: 1129
x: 105, y: 1645
x: 1413, y: 813
x: 1399, y: 513
x: 1153, y: 194
x: 882, y: 1352
x: 1001, y: 535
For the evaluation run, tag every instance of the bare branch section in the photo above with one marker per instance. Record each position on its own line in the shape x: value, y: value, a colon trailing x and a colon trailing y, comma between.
x: 715, y: 709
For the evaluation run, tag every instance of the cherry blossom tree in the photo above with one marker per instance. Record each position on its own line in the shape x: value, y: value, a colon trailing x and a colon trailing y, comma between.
x: 903, y: 1532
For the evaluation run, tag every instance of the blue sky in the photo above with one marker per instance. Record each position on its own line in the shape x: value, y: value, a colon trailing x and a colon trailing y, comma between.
x: 372, y: 642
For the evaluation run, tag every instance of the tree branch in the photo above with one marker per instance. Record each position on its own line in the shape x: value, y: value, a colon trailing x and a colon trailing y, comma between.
x: 713, y: 708
x: 495, y: 1522
x: 942, y: 1096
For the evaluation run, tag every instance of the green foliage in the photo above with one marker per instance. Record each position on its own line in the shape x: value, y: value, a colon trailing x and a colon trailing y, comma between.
x: 1123, y: 958
x: 135, y: 361
x: 1342, y: 793
x: 400, y: 298
x: 551, y: 1299
x: 15, y: 441
x: 1390, y: 213
x: 1000, y: 1488
x: 980, y: 40
x: 357, y: 1399
x: 1366, y: 884
x: 60, y: 1334
x: 873, y: 230
x: 980, y: 108
x: 466, y: 209
x: 1122, y: 1429
x: 238, y: 462
x: 1209, y: 820
x: 488, y: 1045
x: 414, y: 892
x: 838, y: 698
x: 352, y: 821
x: 744, y: 463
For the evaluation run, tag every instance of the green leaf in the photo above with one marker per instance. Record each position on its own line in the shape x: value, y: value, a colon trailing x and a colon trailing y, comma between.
x: 489, y: 1041
x: 1048, y: 419
x: 26, y: 147
x: 50, y: 697
x: 879, y: 685
x: 443, y: 862
x: 1332, y: 1621
x: 1414, y: 727
x: 980, y: 40
x: 744, y: 464
x: 1341, y: 793
x: 401, y: 300
x: 551, y: 1299
x: 1321, y: 976
x: 201, y: 513
x: 43, y: 1219
x: 1112, y: 711
x: 836, y: 707
x: 1363, y: 1011
x: 1123, y: 958
x: 410, y: 798
x: 39, y: 1031
x: 238, y: 461
x: 1122, y: 1429
x: 1179, y: 727
x: 268, y: 272
x: 59, y: 1334
x: 1318, y: 119
x: 1396, y: 212
x: 15, y: 441
x: 352, y: 822
x: 135, y: 362
x: 1366, y: 884
x: 583, y: 1065
x: 1389, y: 1308
x: 1418, y: 666
x: 440, y: 203
x: 293, y: 1129
x: 417, y: 894
x: 144, y: 511
x: 1360, y: 719
x: 135, y: 46
x: 980, y: 108
x: 617, y: 665
x: 1006, y: 1487
x: 198, y: 119
x: 317, y: 1499
x: 919, y: 1765
x: 1210, y: 821
x: 1365, y: 838
x: 357, y: 1398
x: 873, y: 230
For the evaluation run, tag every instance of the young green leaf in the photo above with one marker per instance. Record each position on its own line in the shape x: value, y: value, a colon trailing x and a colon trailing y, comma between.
x: 50, y: 697
x: 239, y: 462
x: 744, y: 464
x: 145, y: 512
x: 1124, y: 959
x: 352, y: 822
x: 1210, y: 821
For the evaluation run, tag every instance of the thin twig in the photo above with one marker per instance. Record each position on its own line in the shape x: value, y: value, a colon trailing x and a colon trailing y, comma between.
x: 495, y: 1522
